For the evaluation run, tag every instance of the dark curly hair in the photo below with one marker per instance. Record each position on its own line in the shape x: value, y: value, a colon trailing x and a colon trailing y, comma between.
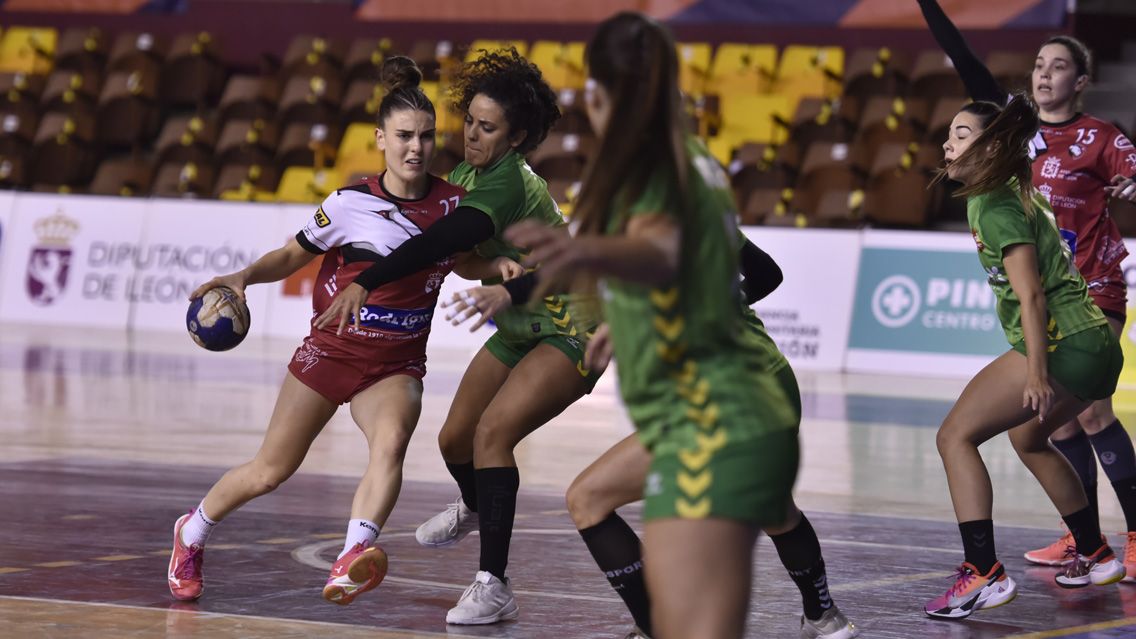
x: 518, y: 86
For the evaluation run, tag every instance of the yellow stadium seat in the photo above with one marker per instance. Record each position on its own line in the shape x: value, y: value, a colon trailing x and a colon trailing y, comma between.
x: 743, y: 68
x: 694, y: 67
x: 751, y: 118
x: 475, y: 49
x: 562, y: 63
x: 27, y: 50
x: 360, y: 137
x: 305, y: 185
x: 360, y: 163
x: 810, y: 72
x: 248, y: 194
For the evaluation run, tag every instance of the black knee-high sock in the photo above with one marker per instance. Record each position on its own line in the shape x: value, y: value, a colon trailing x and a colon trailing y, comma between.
x: 617, y: 551
x: 1085, y: 529
x: 467, y: 483
x: 496, y: 506
x: 799, y: 550
x: 1118, y: 458
x: 978, y: 544
x: 1078, y: 449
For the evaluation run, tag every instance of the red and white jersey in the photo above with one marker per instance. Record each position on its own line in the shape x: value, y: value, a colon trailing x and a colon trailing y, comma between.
x: 354, y: 227
x: 1078, y: 161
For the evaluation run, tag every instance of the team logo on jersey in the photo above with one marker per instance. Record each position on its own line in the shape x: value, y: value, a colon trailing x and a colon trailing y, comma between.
x: 322, y: 220
x: 1051, y: 167
x: 977, y: 241
x: 433, y: 282
x: 49, y: 263
x: 1122, y: 143
x: 1075, y: 151
x: 1131, y: 160
x: 996, y: 277
x: 896, y: 301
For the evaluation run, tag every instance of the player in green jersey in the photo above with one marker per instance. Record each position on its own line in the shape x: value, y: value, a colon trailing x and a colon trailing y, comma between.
x: 656, y: 221
x: 1062, y: 357
x: 532, y: 368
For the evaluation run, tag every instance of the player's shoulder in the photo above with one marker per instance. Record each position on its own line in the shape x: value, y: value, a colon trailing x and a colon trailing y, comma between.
x: 366, y: 193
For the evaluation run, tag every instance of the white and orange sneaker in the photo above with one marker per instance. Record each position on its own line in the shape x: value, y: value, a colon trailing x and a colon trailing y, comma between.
x: 1130, y: 558
x: 1099, y: 569
x: 359, y: 570
x: 184, y: 574
x: 1055, y: 554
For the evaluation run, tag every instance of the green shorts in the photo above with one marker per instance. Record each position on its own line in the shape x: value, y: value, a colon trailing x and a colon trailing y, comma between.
x: 510, y: 350
x: 749, y: 480
x: 1086, y: 363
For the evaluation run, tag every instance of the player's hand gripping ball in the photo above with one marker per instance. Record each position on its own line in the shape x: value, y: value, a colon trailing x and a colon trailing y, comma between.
x: 218, y: 320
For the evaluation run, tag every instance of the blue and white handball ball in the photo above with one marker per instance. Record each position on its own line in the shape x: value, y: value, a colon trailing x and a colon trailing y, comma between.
x: 218, y: 320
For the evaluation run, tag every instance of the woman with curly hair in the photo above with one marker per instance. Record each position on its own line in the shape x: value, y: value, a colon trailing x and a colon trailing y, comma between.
x: 532, y: 368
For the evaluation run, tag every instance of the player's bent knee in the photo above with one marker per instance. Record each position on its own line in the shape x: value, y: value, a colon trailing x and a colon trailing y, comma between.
x: 585, y: 506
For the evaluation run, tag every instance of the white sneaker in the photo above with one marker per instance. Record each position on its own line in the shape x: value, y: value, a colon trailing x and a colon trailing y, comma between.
x: 636, y: 633
x: 831, y: 625
x: 487, y: 600
x: 447, y: 527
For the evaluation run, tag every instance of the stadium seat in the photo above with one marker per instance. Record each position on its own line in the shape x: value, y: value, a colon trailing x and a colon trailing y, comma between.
x: 1116, y: 73
x: 186, y: 138
x: 477, y: 46
x: 177, y: 179
x: 828, y: 166
x: 573, y: 117
x: 248, y: 97
x: 361, y: 102
x: 876, y: 72
x: 358, y: 154
x: 359, y: 165
x: 760, y: 204
x: 430, y: 55
x: 365, y: 58
x: 824, y: 120
x: 27, y: 50
x: 127, y: 176
x: 743, y: 69
x: 22, y: 86
x: 128, y: 108
x: 257, y: 182
x: 836, y: 208
x: 805, y: 71
x: 13, y: 171
x: 311, y: 100
x: 303, y: 144
x: 1012, y: 68
x: 82, y: 49
x: 897, y: 198
x: 561, y: 63
x: 754, y: 118
x: 694, y: 67
x: 62, y: 153
x: 18, y: 123
x: 934, y: 77
x: 943, y: 113
x: 888, y: 120
x: 310, y: 55
x: 137, y: 51
x: 64, y: 88
x: 305, y: 185
x: 247, y: 142
x: 561, y: 156
x: 194, y: 73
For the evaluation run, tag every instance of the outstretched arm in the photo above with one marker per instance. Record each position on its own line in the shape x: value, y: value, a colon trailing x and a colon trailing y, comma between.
x: 980, y: 83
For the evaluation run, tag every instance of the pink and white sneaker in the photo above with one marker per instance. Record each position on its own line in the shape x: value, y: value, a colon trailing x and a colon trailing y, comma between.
x: 359, y: 570
x: 184, y: 574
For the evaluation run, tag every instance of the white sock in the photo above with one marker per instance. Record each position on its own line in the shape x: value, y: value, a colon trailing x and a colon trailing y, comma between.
x: 360, y: 531
x: 197, y: 528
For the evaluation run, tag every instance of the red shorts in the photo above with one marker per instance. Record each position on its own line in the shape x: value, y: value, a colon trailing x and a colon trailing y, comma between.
x: 1110, y: 292
x: 338, y: 369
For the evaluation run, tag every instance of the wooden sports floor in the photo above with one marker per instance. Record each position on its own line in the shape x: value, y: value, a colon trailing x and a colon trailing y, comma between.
x: 106, y: 438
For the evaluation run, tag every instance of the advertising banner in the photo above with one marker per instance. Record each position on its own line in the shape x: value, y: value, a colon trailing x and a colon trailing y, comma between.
x: 808, y: 314
x: 63, y: 265
x: 922, y: 305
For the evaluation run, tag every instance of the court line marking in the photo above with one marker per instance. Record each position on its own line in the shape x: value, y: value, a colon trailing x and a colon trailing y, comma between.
x: 381, y: 631
x: 1065, y: 632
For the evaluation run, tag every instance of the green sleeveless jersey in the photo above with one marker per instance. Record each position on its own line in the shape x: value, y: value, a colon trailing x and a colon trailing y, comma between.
x: 509, y: 192
x: 689, y: 352
x: 997, y: 221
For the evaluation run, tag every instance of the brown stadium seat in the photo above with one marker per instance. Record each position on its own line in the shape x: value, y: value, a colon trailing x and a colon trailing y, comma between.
x: 247, y: 178
x: 573, y: 117
x: 13, y: 171
x: 24, y: 86
x: 309, y: 55
x: 894, y: 155
x: 886, y: 120
x: 248, y: 97
x: 762, y: 202
x: 62, y: 151
x: 939, y: 124
x: 434, y: 57
x: 128, y: 108
x: 82, y: 49
x: 562, y: 156
x: 17, y: 129
x: 137, y: 51
x: 824, y: 120
x: 365, y: 59
x: 127, y: 176
x: 193, y: 74
x: 247, y: 142
x: 934, y: 77
x: 186, y: 138
x: 1012, y: 68
x: 756, y: 167
x: 65, y: 87
x: 897, y: 198
x: 828, y: 165
x: 836, y: 208
x: 361, y: 103
x: 310, y: 100
x: 876, y: 72
x: 176, y: 179
x: 310, y: 145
